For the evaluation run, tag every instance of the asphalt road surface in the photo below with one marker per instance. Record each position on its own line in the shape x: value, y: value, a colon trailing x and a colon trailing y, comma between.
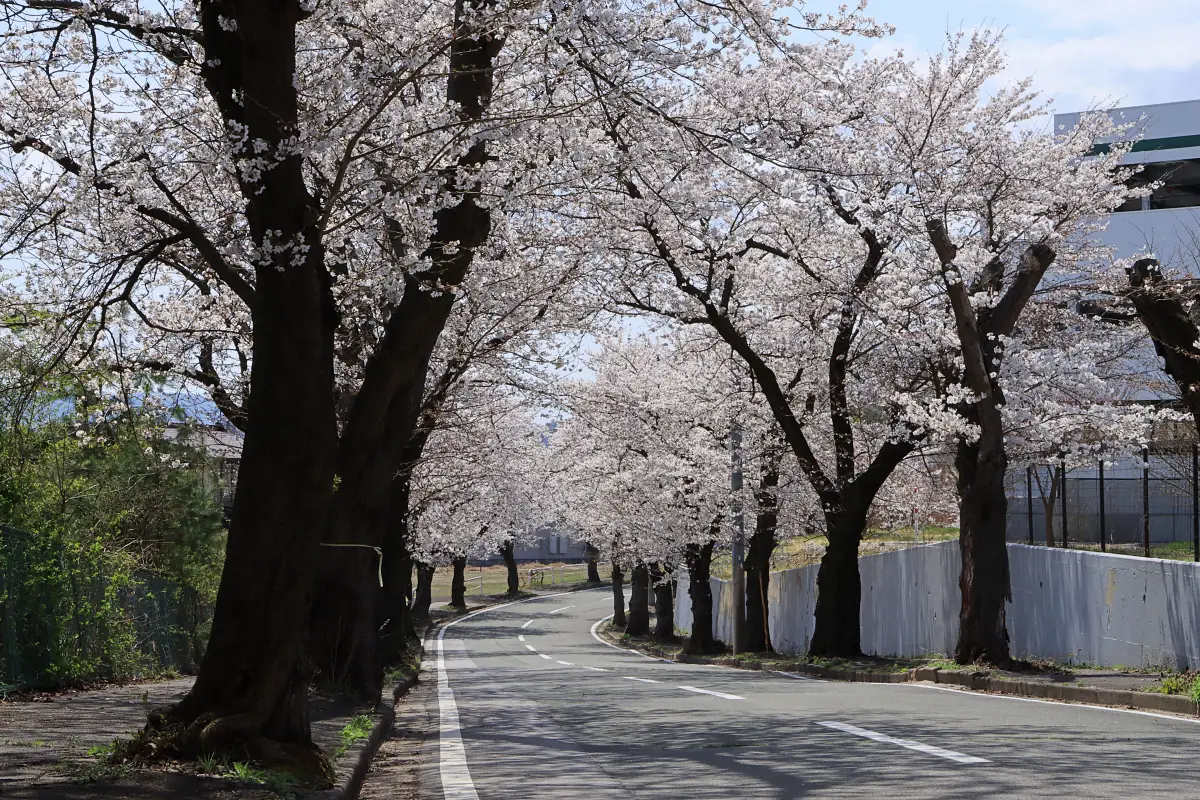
x: 532, y: 705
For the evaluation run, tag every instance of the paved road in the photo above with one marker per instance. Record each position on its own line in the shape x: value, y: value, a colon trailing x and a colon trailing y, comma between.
x: 531, y: 705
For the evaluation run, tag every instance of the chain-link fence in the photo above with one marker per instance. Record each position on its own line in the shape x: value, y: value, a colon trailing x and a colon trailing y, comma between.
x: 1144, y: 505
x: 71, y: 613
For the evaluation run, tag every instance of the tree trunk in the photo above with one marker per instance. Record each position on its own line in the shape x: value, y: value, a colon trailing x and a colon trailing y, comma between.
x: 984, y: 581
x: 839, y: 588
x: 251, y: 684
x: 397, y: 580
x: 593, y: 567
x: 758, y: 562
x: 664, y: 605
x: 514, y: 579
x: 699, y: 563
x: 639, y: 602
x: 423, y: 596
x: 385, y: 411
x: 619, y: 620
x: 458, y: 583
x: 1163, y: 309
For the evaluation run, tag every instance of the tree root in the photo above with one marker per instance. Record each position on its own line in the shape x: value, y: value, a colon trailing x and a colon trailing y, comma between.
x: 228, y: 739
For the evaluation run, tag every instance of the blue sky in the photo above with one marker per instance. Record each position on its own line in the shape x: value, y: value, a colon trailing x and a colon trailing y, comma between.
x: 1079, y: 52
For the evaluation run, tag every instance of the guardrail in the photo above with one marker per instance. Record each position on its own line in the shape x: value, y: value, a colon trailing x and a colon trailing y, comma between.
x: 537, y: 575
x: 471, y: 580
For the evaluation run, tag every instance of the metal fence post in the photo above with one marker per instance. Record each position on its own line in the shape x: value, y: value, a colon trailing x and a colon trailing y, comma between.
x: 1102, y: 536
x: 1195, y: 505
x: 1063, y: 491
x: 1029, y: 499
x: 1146, y: 501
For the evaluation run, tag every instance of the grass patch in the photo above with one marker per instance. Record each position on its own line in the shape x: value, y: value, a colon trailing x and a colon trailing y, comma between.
x: 1184, y: 683
x: 356, y: 730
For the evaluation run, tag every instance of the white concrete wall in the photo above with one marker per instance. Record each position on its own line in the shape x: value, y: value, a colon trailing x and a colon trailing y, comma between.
x: 1068, y: 605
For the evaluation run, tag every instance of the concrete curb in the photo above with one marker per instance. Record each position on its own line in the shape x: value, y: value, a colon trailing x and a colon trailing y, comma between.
x: 981, y: 681
x: 352, y: 767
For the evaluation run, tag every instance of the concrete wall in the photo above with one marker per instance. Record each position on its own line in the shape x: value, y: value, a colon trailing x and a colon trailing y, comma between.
x: 1068, y: 605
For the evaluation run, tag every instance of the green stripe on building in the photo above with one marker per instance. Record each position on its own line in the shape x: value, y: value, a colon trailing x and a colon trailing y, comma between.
x: 1145, y: 145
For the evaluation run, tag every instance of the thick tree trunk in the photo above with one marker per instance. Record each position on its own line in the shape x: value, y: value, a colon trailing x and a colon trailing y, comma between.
x: 839, y: 588
x: 385, y: 411
x: 593, y: 567
x: 619, y: 620
x: 664, y: 605
x: 251, y: 685
x: 984, y: 581
x: 423, y: 596
x: 458, y: 583
x: 639, y: 602
x: 699, y: 563
x: 510, y: 562
x: 758, y: 563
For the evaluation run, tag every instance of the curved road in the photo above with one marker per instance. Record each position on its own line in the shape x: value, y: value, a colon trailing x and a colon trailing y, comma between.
x: 532, y: 705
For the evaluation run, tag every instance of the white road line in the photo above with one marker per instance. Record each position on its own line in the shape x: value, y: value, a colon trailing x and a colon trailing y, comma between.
x: 596, y: 669
x: 527, y: 624
x: 564, y: 608
x: 597, y: 637
x: 520, y: 638
x: 798, y: 677
x: 710, y: 691
x: 907, y: 743
x: 452, y: 757
x: 642, y: 680
x: 1051, y: 702
x: 564, y: 663
x: 531, y: 648
x: 543, y: 655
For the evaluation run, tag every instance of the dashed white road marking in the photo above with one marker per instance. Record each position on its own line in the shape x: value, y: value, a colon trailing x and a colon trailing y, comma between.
x: 564, y: 663
x: 531, y: 648
x: 543, y: 655
x: 452, y: 755
x: 527, y: 624
x: 555, y: 611
x: 710, y: 691
x: 907, y: 743
x: 520, y: 637
x: 596, y: 669
x: 642, y: 680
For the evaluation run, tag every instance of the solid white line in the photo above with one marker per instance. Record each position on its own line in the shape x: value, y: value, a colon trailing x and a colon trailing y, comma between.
x: 709, y: 691
x: 1052, y: 702
x: 798, y: 677
x: 452, y: 757
x: 527, y: 624
x: 564, y: 608
x: 906, y: 743
x: 596, y: 636
x: 543, y: 655
x: 643, y: 680
x: 565, y: 663
x: 531, y: 648
x: 520, y: 638
x: 596, y: 669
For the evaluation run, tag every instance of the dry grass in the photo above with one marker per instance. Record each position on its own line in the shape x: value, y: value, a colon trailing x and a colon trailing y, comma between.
x: 495, y: 578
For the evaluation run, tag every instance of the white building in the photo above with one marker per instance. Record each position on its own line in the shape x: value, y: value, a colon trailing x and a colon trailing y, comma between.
x: 1167, y: 223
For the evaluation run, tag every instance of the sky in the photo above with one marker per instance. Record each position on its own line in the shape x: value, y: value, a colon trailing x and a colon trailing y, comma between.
x: 1080, y: 53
